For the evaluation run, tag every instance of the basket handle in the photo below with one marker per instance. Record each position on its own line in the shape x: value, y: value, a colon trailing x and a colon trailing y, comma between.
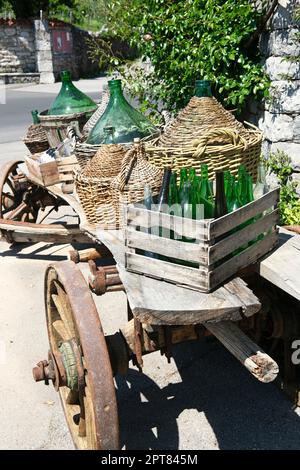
x: 129, y: 161
x: 201, y: 143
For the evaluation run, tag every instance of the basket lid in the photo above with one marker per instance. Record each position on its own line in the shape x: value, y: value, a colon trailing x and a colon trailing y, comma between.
x: 106, y: 162
x: 36, y: 132
x: 199, y: 116
x: 136, y: 171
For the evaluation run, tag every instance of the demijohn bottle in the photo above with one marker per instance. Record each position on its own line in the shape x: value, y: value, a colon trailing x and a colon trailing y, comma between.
x: 127, y: 121
x: 70, y: 100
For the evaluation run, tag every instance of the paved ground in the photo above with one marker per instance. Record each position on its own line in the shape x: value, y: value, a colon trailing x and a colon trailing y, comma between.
x: 203, y: 400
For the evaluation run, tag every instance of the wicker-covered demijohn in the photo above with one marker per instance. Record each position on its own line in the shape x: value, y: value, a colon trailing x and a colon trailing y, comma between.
x: 36, y: 139
x: 136, y: 172
x: 93, y: 186
x: 204, y: 132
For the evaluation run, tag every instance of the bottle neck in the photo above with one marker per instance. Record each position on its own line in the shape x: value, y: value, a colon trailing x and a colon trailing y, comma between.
x: 261, y: 174
x: 35, y: 117
x: 203, y: 89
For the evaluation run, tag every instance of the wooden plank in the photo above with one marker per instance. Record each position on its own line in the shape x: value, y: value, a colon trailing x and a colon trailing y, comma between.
x: 247, y: 257
x: 241, y: 237
x: 192, y: 277
x: 258, y: 363
x: 234, y: 219
x: 32, y: 233
x: 282, y: 266
x: 161, y: 303
x: 194, y: 252
x: 184, y: 227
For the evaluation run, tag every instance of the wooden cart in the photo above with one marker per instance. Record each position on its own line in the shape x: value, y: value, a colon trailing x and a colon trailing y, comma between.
x: 82, y: 361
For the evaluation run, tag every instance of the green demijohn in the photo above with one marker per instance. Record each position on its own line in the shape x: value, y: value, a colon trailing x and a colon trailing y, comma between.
x: 127, y: 122
x: 203, y: 89
x: 70, y: 100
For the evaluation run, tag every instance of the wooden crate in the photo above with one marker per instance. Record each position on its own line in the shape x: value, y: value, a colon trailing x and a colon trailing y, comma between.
x: 47, y: 174
x: 215, y: 250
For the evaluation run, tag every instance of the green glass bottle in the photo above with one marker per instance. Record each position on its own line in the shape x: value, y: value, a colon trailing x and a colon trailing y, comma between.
x: 148, y: 203
x: 192, y: 175
x: 35, y: 117
x: 183, y: 177
x: 206, y: 196
x: 127, y: 121
x: 227, y: 184
x: 203, y: 88
x: 173, y: 191
x: 220, y: 202
x: 70, y: 100
x: 185, y: 200
x: 233, y: 201
x: 261, y: 187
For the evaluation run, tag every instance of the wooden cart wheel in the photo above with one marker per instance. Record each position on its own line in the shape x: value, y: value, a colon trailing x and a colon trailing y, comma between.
x: 83, y: 374
x: 13, y: 185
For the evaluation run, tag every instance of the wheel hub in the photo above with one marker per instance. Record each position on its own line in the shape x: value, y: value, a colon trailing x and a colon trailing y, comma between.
x: 64, y: 367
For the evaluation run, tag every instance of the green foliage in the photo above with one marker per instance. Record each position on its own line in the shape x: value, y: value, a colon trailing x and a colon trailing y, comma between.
x: 281, y: 165
x: 31, y: 8
x: 193, y: 39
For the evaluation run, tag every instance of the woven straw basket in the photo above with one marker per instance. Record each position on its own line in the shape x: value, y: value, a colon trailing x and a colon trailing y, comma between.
x: 85, y: 152
x: 36, y: 139
x: 136, y: 172
x: 204, y: 132
x: 56, y: 127
x: 93, y: 186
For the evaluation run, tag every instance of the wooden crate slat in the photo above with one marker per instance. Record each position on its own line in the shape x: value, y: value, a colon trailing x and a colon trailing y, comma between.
x: 194, y: 252
x: 229, y: 221
x: 184, y: 227
x: 242, y: 237
x: 247, y: 257
x: 159, y: 269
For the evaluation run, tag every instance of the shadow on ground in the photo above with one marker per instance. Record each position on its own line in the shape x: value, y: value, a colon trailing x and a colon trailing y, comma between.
x: 243, y: 413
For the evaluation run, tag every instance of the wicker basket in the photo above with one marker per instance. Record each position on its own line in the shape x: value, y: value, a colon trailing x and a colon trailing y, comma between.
x: 204, y: 132
x: 56, y: 126
x: 85, y: 152
x: 93, y: 186
x: 136, y: 172
x: 36, y: 139
x: 98, y: 113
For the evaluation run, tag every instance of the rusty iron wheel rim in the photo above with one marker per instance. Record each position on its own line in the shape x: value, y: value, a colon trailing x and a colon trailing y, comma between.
x: 93, y: 418
x: 8, y: 192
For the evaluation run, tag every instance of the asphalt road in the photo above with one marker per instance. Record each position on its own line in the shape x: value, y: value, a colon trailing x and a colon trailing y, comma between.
x: 204, y: 399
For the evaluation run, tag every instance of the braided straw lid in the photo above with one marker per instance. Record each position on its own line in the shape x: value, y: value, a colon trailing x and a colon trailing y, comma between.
x: 202, y: 114
x: 136, y: 172
x: 106, y: 163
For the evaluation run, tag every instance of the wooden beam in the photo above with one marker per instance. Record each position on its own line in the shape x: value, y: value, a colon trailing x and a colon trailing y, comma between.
x: 256, y: 361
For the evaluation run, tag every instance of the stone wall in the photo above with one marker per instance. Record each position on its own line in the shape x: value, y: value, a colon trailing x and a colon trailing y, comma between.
x: 279, y: 117
x: 28, y: 48
x: 17, y: 47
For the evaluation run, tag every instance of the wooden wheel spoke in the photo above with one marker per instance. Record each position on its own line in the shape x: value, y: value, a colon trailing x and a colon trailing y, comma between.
x: 18, y: 212
x: 73, y: 397
x: 64, y: 313
x: 11, y: 185
x: 61, y: 330
x: 8, y: 196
